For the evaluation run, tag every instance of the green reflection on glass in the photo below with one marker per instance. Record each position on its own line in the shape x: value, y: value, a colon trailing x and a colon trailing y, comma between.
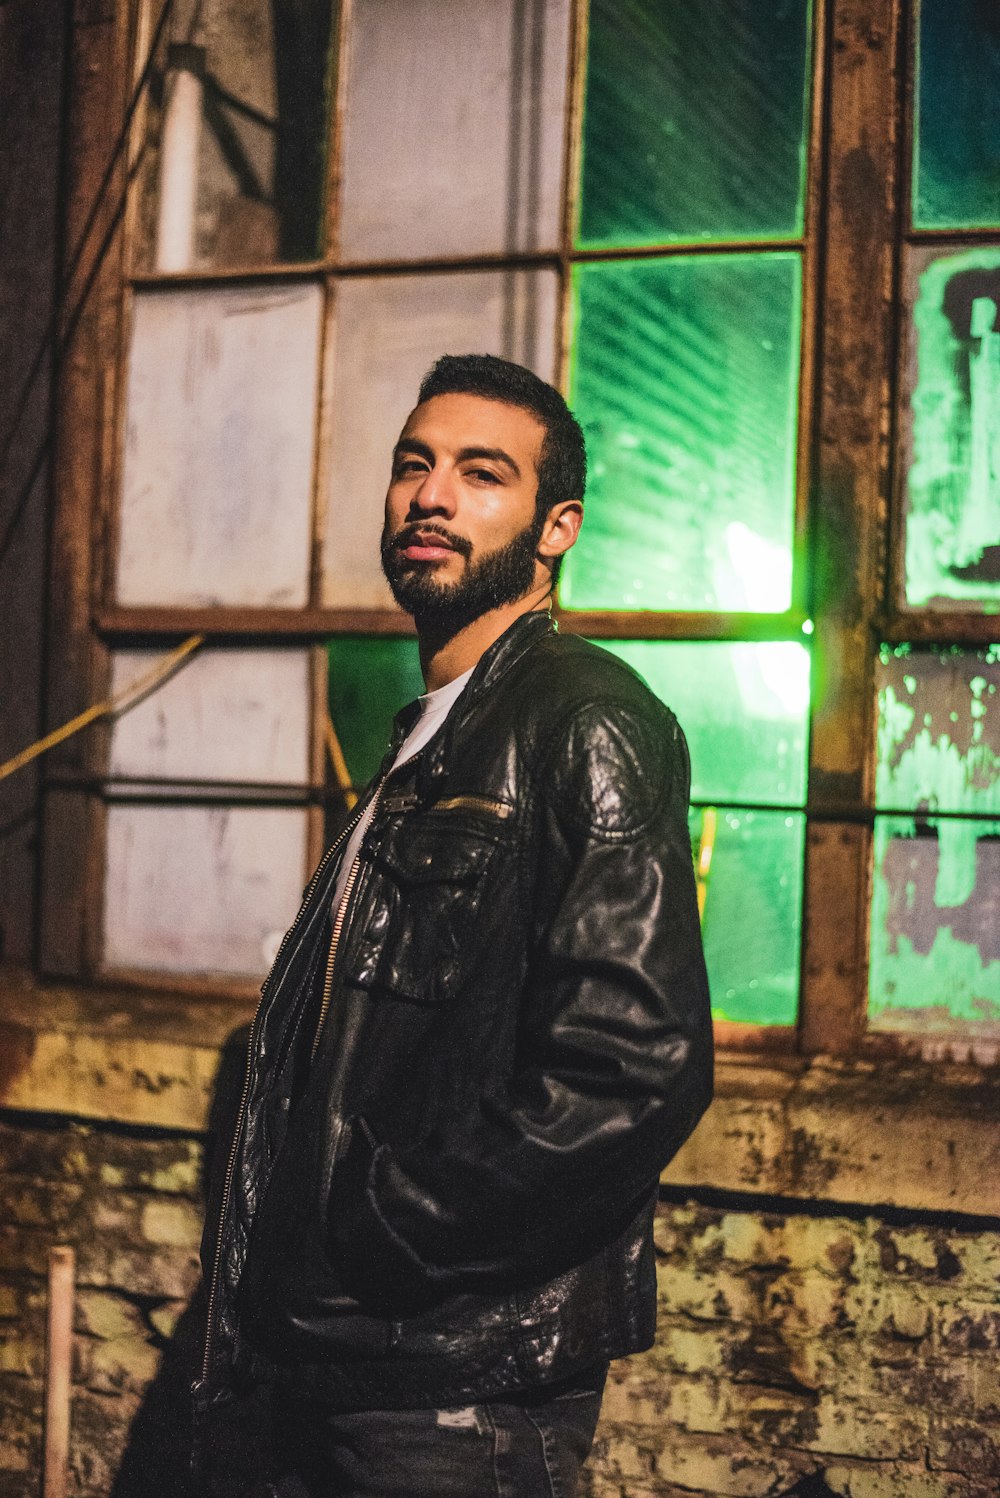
x: 370, y: 679
x: 956, y: 165
x: 743, y: 708
x: 935, y: 944
x: 939, y: 730
x: 685, y: 377
x: 953, y: 483
x: 750, y: 875
x: 694, y: 121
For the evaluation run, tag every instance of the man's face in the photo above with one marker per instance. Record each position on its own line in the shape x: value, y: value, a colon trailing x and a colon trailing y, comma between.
x: 460, y: 524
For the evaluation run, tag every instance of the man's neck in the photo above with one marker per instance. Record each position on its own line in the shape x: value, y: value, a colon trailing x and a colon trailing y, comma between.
x: 444, y: 658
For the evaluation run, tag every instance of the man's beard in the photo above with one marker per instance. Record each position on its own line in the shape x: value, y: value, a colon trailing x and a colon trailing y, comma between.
x: 496, y: 578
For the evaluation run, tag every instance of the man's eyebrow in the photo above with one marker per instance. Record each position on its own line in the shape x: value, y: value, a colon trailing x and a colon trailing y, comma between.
x: 493, y: 454
x: 413, y: 445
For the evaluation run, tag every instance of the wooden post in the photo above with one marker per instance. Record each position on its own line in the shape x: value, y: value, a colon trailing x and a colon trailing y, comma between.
x: 58, y: 1371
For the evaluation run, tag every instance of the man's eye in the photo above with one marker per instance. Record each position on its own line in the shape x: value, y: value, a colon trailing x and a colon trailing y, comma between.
x: 484, y: 475
x: 407, y: 466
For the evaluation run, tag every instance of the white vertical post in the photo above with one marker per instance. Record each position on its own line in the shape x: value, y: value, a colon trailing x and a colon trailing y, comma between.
x: 58, y: 1371
x: 185, y: 87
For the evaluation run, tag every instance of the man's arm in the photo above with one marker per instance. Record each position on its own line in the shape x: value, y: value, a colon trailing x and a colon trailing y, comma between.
x: 616, y: 1033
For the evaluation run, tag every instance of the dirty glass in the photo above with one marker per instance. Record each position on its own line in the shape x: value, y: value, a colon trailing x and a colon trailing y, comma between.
x: 935, y: 945
x: 749, y: 869
x: 695, y: 121
x: 217, y: 470
x: 743, y: 708
x: 952, y: 432
x: 389, y: 331
x: 230, y: 716
x: 201, y: 889
x: 371, y: 677
x: 685, y: 377
x: 956, y: 162
x: 234, y: 155
x: 453, y: 134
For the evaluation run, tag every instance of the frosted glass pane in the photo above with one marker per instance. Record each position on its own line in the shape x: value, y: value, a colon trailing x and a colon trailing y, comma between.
x: 370, y: 679
x: 685, y: 379
x: 952, y: 432
x: 234, y: 153
x: 938, y: 730
x: 194, y: 889
x: 219, y: 446
x: 453, y: 138
x: 390, y: 330
x: 225, y: 715
x: 743, y: 709
x: 695, y: 121
x: 956, y: 163
x: 935, y: 944
x: 749, y: 867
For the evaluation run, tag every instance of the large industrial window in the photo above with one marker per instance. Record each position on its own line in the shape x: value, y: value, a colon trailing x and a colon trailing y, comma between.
x: 645, y: 203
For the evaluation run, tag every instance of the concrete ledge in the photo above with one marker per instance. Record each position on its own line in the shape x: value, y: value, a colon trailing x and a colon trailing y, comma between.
x: 911, y: 1135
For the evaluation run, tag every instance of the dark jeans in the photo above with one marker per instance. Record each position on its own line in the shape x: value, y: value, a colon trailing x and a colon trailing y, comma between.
x: 531, y: 1447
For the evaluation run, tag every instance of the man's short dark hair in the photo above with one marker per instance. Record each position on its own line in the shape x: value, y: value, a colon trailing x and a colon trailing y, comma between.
x: 562, y: 463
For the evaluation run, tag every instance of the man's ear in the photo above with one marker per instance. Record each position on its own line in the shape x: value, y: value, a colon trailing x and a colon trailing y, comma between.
x: 562, y: 526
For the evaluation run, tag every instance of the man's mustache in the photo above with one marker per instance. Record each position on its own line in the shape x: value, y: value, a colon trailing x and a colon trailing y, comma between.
x: 405, y: 536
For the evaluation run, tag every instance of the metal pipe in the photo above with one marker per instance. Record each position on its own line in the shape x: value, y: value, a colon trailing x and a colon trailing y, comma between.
x: 58, y: 1371
x: 179, y: 146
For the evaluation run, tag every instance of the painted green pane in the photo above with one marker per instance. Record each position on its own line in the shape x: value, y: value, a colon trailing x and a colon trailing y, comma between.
x: 694, y: 121
x: 370, y: 679
x: 743, y: 708
x: 952, y: 490
x: 685, y: 377
x: 956, y: 163
x: 938, y: 730
x: 935, y: 943
x: 750, y: 873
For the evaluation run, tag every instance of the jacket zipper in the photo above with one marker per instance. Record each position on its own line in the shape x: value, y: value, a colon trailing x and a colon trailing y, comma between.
x: 231, y: 1165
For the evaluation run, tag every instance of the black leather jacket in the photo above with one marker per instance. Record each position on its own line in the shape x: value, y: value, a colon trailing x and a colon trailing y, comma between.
x: 454, y: 1196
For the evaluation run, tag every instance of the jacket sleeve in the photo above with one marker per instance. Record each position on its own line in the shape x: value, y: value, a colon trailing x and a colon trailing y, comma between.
x: 615, y: 1036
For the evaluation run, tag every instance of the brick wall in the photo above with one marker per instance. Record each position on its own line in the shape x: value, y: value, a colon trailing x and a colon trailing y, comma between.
x: 803, y: 1354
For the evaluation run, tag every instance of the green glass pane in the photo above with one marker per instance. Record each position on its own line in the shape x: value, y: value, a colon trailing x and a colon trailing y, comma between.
x: 743, y: 708
x: 694, y: 121
x: 370, y: 679
x: 938, y: 730
x: 952, y: 492
x: 956, y: 164
x: 685, y: 377
x: 935, y: 943
x: 749, y: 866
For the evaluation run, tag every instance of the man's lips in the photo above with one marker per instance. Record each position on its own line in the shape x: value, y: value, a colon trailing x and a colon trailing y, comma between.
x: 425, y: 546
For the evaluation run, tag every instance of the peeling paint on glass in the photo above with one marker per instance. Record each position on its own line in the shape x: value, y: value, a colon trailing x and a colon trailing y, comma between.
x: 935, y: 947
x: 694, y: 121
x: 685, y: 378
x: 952, y: 498
x: 956, y: 159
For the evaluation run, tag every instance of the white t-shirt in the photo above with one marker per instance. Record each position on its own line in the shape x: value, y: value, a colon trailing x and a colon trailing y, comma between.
x: 434, y: 708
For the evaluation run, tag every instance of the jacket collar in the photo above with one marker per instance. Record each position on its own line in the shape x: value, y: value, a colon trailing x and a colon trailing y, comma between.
x: 494, y: 663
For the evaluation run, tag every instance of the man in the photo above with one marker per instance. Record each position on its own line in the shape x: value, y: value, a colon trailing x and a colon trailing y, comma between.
x: 488, y: 1029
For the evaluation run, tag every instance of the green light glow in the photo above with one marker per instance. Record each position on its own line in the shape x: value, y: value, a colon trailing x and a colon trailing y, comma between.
x: 956, y: 160
x: 953, y: 483
x: 743, y: 708
x: 371, y: 678
x: 694, y: 121
x: 685, y: 377
x: 751, y: 923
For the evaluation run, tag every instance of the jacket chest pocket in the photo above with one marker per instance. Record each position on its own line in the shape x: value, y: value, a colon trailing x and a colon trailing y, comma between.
x: 420, y: 926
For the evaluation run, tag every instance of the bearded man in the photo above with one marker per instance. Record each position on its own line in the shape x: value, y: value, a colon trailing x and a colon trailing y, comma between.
x: 488, y: 1028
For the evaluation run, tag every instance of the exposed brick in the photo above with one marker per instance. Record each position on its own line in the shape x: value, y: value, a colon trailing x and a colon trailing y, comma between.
x: 177, y: 1223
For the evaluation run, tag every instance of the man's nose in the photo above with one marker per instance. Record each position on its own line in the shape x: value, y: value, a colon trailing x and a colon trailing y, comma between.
x: 435, y: 495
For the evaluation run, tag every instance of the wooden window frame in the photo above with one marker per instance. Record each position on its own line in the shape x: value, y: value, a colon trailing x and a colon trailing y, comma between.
x: 847, y: 507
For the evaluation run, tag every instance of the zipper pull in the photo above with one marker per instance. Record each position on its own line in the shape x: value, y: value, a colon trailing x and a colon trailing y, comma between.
x: 394, y: 804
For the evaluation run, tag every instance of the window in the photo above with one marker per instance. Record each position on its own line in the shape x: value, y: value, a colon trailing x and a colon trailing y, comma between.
x: 692, y: 218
